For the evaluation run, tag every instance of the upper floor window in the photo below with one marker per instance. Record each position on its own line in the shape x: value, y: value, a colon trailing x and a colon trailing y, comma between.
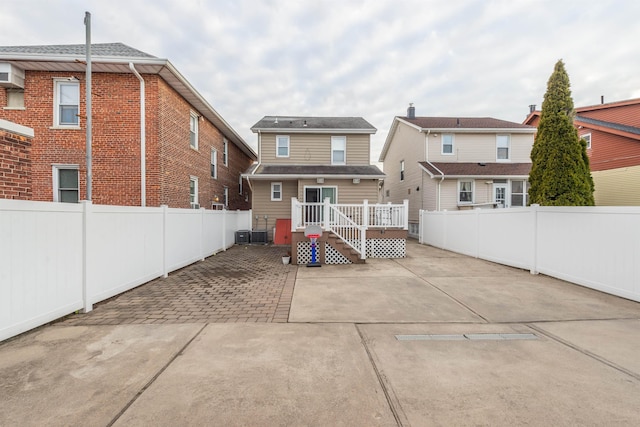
x: 214, y: 163
x: 401, y: 170
x: 276, y: 191
x: 338, y: 150
x: 587, y: 137
x: 447, y: 143
x: 225, y: 152
x: 66, y: 102
x: 282, y: 146
x: 503, y: 143
x: 193, y: 192
x: 66, y: 187
x: 465, y: 191
x: 193, y: 131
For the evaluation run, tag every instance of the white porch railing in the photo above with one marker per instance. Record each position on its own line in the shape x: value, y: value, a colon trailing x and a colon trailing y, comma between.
x: 350, y: 222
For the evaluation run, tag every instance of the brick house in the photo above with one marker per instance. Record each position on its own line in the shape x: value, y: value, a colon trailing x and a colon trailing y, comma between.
x: 15, y: 161
x: 193, y: 157
x: 612, y: 132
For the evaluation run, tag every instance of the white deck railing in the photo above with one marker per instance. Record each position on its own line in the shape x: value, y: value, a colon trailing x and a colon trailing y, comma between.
x: 350, y: 222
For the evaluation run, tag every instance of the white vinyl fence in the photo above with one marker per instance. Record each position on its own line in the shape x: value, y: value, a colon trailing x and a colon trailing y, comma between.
x: 596, y: 247
x: 56, y: 258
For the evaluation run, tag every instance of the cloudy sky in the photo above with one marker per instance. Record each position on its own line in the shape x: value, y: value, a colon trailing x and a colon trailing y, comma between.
x: 251, y: 58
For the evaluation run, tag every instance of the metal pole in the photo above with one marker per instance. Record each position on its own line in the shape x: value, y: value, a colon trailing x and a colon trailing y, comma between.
x: 87, y: 23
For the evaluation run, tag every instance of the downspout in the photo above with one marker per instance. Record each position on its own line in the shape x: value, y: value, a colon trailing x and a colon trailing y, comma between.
x: 426, y: 159
x: 143, y: 162
x: 439, y: 184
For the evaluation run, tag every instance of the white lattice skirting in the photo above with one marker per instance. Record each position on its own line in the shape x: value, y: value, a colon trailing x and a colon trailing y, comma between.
x: 386, y: 248
x: 376, y: 248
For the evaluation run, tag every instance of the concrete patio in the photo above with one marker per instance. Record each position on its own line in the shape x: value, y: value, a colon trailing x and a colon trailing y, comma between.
x: 433, y: 339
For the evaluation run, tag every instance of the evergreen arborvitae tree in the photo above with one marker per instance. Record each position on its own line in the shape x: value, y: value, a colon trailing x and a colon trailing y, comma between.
x: 560, y: 174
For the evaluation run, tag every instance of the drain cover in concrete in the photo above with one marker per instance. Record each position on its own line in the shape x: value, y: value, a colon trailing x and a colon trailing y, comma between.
x: 466, y: 337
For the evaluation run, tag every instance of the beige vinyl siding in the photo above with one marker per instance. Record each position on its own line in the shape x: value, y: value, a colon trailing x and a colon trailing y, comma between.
x: 262, y: 204
x: 429, y: 193
x: 480, y: 147
x: 348, y: 192
x: 407, y: 145
x: 314, y: 149
x: 617, y: 187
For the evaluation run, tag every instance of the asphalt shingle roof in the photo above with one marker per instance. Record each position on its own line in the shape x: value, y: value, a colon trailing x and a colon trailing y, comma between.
x: 299, y: 122
x: 97, y: 49
x: 611, y: 125
x: 477, y: 169
x: 464, y: 123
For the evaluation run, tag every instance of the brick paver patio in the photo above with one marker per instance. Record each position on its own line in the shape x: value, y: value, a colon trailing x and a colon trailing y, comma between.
x: 242, y: 284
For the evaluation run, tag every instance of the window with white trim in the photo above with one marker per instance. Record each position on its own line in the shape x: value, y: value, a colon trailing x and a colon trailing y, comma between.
x: 193, y: 130
x: 503, y: 143
x: 214, y: 163
x: 193, y: 191
x: 225, y: 152
x: 226, y: 196
x: 66, y: 184
x: 401, y: 170
x: 338, y: 150
x: 587, y: 137
x: 66, y: 103
x: 447, y: 144
x: 276, y: 191
x: 240, y: 185
x: 282, y: 146
x: 465, y: 191
x: 519, y: 194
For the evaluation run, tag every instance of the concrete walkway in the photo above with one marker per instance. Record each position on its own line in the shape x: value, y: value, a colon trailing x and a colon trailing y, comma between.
x: 432, y: 339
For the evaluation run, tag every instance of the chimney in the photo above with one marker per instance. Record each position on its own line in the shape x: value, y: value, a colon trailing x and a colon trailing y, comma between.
x: 532, y: 108
x: 601, y: 99
x: 411, y: 111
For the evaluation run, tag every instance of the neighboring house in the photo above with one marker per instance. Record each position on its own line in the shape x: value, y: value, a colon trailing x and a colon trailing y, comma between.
x: 612, y: 133
x: 193, y: 158
x: 15, y: 161
x: 445, y: 163
x: 310, y: 159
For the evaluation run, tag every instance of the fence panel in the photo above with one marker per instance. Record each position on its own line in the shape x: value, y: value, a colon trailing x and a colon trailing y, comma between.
x: 183, y: 237
x: 40, y: 263
x: 43, y: 264
x: 125, y: 249
x: 506, y: 236
x: 596, y: 247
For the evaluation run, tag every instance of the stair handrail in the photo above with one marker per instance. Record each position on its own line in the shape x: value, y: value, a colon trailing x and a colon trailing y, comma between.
x: 338, y: 222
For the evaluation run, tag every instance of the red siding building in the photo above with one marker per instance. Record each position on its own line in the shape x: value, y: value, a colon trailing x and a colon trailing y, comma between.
x: 612, y: 132
x: 192, y: 156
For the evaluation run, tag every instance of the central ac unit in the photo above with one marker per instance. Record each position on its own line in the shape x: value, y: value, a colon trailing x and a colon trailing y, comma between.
x: 11, y: 76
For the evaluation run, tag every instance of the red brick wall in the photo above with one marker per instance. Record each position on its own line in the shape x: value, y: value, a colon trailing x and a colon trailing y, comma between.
x: 179, y: 161
x: 15, y: 166
x: 116, y: 142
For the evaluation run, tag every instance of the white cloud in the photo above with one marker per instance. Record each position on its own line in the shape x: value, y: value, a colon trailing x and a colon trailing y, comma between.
x: 463, y: 58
